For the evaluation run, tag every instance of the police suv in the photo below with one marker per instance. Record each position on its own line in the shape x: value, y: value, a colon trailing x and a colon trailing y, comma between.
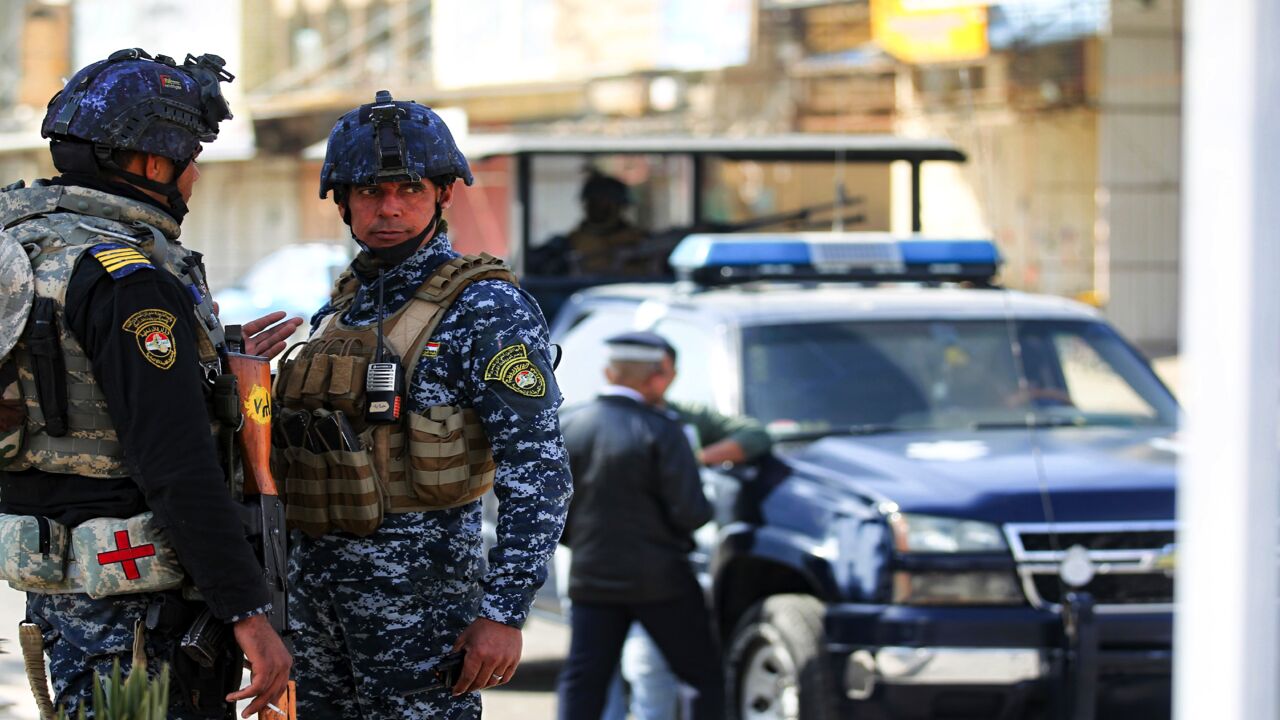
x: 969, y: 511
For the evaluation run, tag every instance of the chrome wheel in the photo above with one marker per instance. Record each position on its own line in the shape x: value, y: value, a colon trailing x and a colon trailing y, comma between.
x: 769, y: 688
x: 777, y: 669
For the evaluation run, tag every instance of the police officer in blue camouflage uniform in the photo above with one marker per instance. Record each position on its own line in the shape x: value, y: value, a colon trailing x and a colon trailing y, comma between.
x: 376, y: 608
x: 112, y: 409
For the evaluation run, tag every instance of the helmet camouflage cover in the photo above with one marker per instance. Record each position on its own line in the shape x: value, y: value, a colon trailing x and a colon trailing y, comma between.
x: 390, y: 141
x: 133, y: 102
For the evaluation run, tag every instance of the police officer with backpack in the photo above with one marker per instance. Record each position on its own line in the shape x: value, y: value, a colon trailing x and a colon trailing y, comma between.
x: 116, y: 509
x: 427, y: 381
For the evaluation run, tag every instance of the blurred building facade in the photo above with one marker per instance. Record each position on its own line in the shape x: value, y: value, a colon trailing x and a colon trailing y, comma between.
x: 1069, y: 109
x: 35, y: 56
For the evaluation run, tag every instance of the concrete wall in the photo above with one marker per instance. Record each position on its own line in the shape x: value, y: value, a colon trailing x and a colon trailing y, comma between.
x: 1140, y: 169
x: 1032, y: 178
x: 24, y: 166
x: 1030, y: 183
x: 240, y: 212
x: 46, y: 53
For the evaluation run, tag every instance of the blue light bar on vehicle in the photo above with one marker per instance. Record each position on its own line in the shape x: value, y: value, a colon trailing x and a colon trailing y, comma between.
x: 713, y: 259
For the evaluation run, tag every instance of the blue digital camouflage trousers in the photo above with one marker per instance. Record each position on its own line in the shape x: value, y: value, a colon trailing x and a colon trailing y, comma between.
x: 363, y: 649
x: 83, y: 635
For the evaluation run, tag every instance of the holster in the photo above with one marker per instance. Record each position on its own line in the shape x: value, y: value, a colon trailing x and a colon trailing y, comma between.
x: 200, y: 688
x: 225, y: 409
x: 204, y: 640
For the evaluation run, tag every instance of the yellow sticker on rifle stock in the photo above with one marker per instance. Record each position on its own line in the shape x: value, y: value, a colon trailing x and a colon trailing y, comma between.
x: 257, y: 407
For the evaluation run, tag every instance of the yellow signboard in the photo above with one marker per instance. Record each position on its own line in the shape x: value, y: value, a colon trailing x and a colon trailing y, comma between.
x: 924, y: 31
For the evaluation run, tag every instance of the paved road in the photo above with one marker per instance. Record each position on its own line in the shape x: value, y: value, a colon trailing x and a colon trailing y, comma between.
x: 529, y: 696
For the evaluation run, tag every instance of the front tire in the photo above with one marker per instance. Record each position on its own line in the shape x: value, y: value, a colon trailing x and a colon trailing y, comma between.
x: 776, y: 666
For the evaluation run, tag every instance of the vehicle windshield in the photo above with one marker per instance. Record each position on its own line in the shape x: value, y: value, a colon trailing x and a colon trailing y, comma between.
x: 810, y: 380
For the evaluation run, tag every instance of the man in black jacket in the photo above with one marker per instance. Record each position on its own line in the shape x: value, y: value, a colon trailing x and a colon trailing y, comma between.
x: 637, y: 501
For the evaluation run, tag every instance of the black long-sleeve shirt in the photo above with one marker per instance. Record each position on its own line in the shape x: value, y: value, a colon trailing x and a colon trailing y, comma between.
x: 162, y: 422
x: 637, y: 498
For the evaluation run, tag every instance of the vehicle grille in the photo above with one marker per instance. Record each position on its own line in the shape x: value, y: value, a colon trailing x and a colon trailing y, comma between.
x: 1133, y: 563
x: 1144, y: 589
x: 1043, y: 542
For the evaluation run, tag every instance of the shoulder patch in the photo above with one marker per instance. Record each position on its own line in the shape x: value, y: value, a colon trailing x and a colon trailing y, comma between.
x: 120, y: 260
x: 513, y: 368
x: 153, y: 329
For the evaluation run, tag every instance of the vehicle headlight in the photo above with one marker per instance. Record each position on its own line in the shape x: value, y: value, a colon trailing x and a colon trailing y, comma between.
x: 934, y: 535
x: 931, y: 534
x: 987, y: 587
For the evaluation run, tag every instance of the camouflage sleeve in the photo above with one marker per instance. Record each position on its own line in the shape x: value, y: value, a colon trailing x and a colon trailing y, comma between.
x: 509, y: 378
x: 246, y: 615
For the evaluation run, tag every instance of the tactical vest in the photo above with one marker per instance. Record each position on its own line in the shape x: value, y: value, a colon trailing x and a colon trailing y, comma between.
x: 428, y: 461
x: 57, y: 225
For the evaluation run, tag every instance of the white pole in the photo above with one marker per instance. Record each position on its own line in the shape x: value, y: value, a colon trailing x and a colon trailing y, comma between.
x: 1226, y: 637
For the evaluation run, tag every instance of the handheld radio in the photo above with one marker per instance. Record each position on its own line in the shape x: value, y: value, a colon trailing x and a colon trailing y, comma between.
x: 384, y: 380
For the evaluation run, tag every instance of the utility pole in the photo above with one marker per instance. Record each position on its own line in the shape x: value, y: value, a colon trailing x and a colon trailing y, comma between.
x: 1226, y: 634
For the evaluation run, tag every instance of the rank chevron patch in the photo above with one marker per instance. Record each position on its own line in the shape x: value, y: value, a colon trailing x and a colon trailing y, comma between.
x: 120, y: 260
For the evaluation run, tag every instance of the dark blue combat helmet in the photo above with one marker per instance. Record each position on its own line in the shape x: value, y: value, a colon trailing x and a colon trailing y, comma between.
x: 390, y: 140
x: 131, y: 101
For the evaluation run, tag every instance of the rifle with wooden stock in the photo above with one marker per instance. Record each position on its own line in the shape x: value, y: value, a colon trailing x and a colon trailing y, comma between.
x: 253, y: 383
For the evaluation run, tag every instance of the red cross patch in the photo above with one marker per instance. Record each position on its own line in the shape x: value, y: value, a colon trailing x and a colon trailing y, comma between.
x: 126, y: 554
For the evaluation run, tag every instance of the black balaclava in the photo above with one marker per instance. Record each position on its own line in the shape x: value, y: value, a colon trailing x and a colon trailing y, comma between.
x: 177, y: 204
x: 106, y: 185
x: 94, y: 166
